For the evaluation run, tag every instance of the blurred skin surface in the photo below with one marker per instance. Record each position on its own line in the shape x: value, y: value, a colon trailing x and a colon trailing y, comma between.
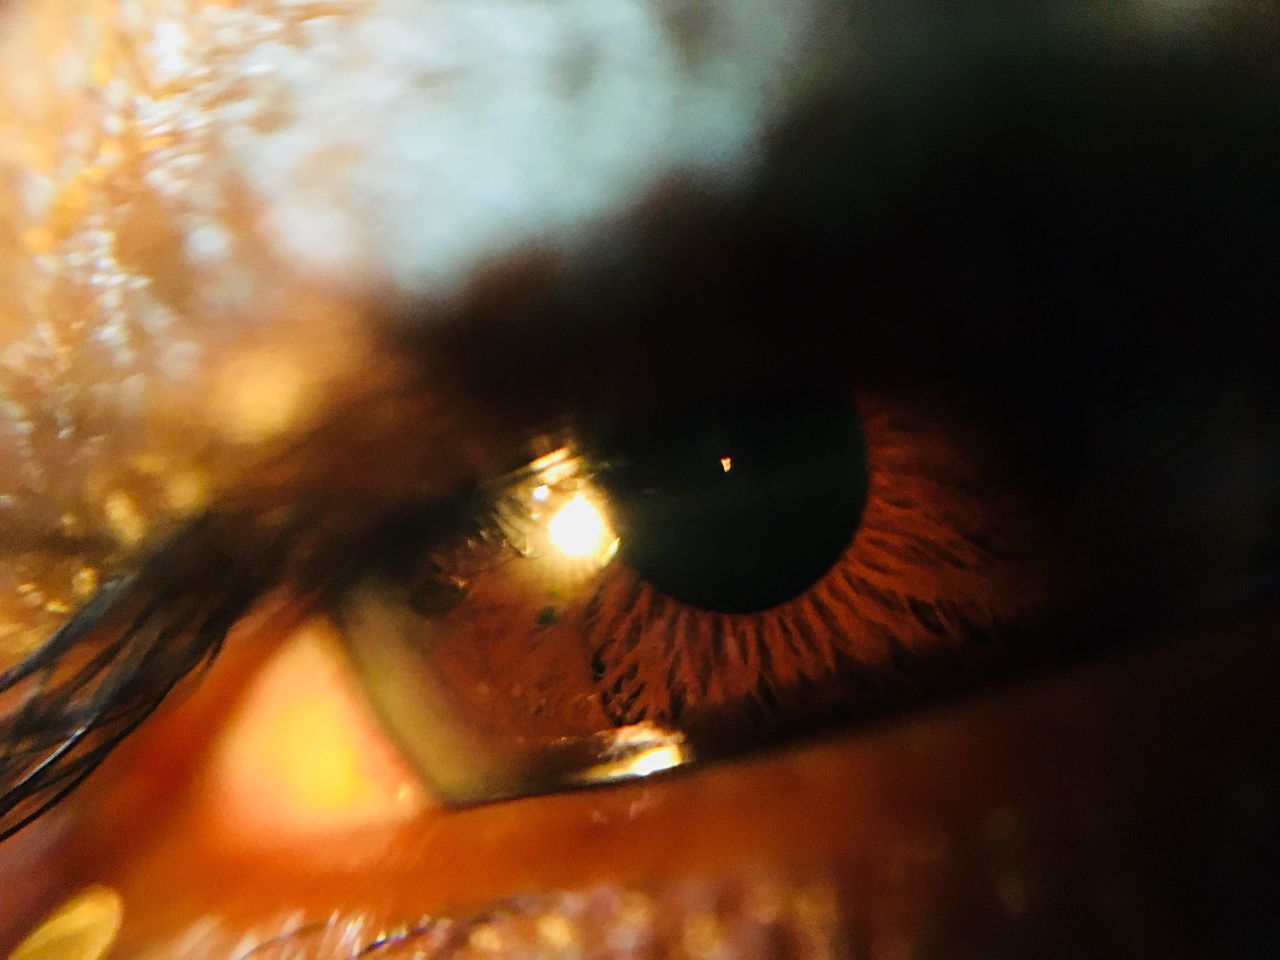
x: 225, y: 222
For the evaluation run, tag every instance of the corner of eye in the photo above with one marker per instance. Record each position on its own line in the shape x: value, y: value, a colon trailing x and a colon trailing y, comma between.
x: 301, y: 756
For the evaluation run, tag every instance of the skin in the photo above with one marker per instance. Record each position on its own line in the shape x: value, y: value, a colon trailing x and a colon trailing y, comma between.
x: 1126, y: 807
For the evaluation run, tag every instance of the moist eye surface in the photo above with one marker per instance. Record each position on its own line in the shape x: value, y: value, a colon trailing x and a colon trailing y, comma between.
x: 724, y: 576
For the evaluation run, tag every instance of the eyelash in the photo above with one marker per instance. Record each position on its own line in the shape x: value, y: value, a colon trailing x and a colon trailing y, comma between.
x: 99, y: 676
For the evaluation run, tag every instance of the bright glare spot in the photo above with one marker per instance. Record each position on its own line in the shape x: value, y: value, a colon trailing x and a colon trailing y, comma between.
x: 639, y: 751
x: 579, y: 529
x: 541, y: 493
x: 726, y: 464
x: 654, y: 760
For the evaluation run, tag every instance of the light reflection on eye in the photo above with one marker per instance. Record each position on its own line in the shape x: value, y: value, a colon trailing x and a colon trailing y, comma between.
x: 641, y: 750
x: 551, y: 509
x: 580, y: 531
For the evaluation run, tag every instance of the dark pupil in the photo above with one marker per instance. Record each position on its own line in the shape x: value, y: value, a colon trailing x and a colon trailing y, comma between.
x: 738, y: 506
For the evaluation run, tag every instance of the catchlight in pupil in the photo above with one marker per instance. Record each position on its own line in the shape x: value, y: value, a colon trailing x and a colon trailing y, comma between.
x: 739, y: 506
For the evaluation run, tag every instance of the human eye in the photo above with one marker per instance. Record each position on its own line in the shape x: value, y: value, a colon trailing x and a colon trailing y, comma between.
x: 691, y: 583
x: 1007, y: 475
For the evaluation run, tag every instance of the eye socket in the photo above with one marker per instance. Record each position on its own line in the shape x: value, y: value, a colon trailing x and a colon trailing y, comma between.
x: 616, y: 608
